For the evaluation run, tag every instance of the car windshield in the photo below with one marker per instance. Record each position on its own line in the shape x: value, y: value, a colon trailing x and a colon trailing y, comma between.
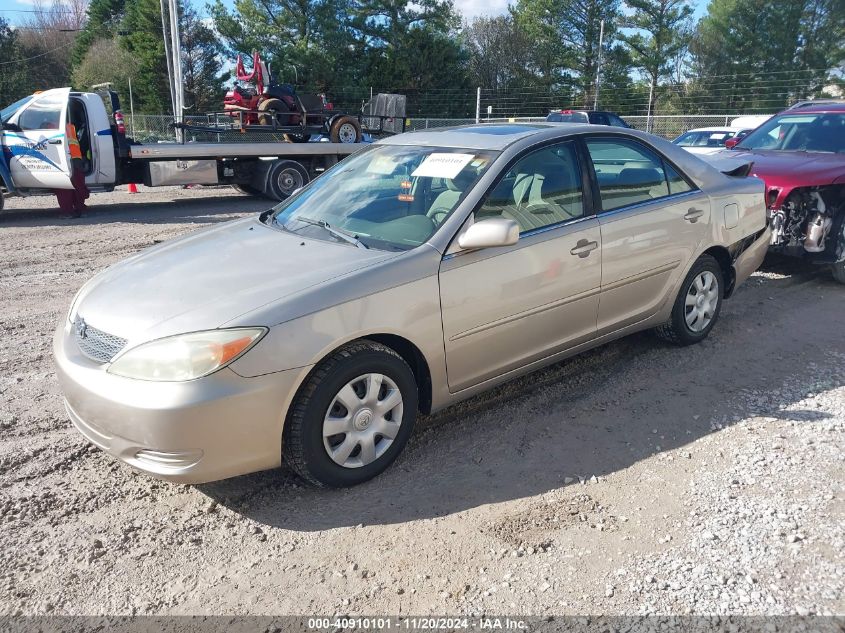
x: 390, y: 197
x: 7, y: 112
x: 568, y: 117
x: 704, y: 138
x: 808, y: 132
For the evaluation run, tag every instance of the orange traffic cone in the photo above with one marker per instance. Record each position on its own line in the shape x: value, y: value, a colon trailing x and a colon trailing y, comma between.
x: 132, y: 188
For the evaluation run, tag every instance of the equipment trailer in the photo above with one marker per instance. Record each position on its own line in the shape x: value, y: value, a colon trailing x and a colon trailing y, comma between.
x: 37, y: 158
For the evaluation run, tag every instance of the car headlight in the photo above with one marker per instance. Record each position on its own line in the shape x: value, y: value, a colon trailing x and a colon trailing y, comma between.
x: 185, y: 356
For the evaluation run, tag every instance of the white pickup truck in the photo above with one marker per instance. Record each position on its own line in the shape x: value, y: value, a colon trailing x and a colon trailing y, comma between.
x: 36, y: 155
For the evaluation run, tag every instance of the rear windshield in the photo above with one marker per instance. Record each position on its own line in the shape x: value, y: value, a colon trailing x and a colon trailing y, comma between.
x: 567, y: 117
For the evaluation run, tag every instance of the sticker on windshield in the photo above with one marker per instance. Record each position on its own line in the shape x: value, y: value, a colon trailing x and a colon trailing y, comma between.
x: 383, y: 165
x: 442, y: 165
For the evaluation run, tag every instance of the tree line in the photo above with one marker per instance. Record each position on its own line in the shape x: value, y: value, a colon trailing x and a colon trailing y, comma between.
x: 641, y: 55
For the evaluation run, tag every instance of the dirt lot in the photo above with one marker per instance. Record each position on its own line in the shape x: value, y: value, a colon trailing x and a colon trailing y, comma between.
x: 638, y: 478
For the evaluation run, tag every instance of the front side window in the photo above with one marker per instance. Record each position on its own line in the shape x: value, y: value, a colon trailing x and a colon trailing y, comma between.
x: 539, y: 190
x: 628, y: 173
x: 808, y: 132
x: 44, y: 114
x: 390, y: 197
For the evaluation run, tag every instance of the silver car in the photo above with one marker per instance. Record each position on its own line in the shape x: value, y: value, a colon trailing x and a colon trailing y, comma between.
x: 420, y: 271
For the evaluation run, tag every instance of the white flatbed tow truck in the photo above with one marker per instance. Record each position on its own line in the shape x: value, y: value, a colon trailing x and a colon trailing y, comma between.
x: 36, y: 156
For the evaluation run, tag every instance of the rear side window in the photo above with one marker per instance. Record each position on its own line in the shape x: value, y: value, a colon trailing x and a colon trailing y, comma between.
x: 567, y: 117
x: 629, y: 173
x: 677, y: 183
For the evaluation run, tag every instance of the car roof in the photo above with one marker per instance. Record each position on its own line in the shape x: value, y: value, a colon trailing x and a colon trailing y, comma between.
x: 485, y: 136
x: 820, y: 108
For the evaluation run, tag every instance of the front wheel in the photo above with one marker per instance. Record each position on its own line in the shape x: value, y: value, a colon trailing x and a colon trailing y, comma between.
x: 838, y: 270
x: 697, y: 305
x: 352, y: 417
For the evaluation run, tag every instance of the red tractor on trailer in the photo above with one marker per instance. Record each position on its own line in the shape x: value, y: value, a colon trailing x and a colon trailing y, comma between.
x: 257, y: 101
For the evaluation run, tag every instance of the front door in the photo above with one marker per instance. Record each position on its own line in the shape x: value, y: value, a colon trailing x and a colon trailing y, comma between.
x: 504, y: 308
x: 35, y: 143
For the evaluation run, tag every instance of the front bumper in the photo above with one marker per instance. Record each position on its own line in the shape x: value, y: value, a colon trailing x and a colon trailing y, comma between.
x: 201, y: 430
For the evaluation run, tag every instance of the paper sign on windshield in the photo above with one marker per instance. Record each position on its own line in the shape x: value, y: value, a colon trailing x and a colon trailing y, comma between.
x: 442, y: 165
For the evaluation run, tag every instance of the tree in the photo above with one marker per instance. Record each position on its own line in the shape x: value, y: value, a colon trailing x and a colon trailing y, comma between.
x: 201, y: 64
x: 565, y: 38
x: 760, y: 55
x: 103, y: 20
x: 122, y: 67
x: 497, y: 48
x: 142, y: 37
x: 660, y: 27
x: 14, y: 75
x: 47, y: 35
x: 306, y: 41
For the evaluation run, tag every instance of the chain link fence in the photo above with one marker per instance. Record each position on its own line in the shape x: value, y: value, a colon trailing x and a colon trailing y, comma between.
x: 146, y: 128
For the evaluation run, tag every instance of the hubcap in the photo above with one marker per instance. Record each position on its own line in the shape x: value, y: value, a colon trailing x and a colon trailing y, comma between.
x: 702, y: 300
x: 289, y: 180
x: 346, y: 133
x: 363, y: 420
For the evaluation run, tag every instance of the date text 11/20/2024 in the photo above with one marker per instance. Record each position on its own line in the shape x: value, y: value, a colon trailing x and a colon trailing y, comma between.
x: 418, y: 624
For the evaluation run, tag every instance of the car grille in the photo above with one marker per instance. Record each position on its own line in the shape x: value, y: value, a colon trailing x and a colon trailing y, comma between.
x: 96, y: 344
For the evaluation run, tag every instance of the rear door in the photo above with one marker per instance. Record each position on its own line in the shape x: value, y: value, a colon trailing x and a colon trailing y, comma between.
x: 652, y: 220
x: 35, y: 142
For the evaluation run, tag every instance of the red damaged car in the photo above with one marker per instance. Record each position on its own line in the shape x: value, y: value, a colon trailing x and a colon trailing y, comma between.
x: 800, y: 155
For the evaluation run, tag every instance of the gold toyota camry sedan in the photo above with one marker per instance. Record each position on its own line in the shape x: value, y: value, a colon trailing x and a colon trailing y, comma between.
x: 420, y: 271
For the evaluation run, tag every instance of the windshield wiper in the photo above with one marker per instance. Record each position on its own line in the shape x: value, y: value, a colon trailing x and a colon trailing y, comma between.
x: 338, y: 233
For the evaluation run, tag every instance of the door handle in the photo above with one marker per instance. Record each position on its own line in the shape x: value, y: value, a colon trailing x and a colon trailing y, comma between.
x: 692, y: 215
x: 583, y: 248
x: 55, y: 141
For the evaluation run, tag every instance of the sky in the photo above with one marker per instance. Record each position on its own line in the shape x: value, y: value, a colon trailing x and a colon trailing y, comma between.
x: 11, y: 9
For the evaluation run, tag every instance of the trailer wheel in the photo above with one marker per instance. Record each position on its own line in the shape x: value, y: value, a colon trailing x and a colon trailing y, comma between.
x: 285, y: 177
x: 271, y: 107
x: 345, y: 129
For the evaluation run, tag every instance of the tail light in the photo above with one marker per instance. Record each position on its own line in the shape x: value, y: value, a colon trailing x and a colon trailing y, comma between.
x: 119, y: 122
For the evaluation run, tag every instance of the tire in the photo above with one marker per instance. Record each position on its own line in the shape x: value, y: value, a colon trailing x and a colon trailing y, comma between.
x: 838, y: 270
x: 679, y: 329
x: 267, y: 112
x: 345, y: 129
x: 285, y: 177
x: 345, y: 376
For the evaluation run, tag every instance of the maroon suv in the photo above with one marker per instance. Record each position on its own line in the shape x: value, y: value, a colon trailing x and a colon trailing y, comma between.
x: 800, y: 154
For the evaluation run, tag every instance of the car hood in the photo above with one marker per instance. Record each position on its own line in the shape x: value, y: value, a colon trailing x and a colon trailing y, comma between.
x: 791, y: 169
x: 208, y: 278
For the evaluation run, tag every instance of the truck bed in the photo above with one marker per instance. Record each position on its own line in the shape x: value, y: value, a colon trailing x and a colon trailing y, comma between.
x: 176, y: 151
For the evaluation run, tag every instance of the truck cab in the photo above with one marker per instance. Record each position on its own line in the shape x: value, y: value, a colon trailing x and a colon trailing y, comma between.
x: 35, y: 147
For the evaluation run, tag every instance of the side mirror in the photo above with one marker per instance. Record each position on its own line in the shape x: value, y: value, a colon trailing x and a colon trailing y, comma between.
x: 732, y: 142
x: 490, y: 233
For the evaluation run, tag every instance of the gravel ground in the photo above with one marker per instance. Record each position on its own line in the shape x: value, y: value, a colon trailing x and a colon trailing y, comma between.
x: 637, y: 478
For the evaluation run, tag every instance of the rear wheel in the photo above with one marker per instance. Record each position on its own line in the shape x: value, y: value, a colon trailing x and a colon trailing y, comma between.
x: 838, y: 270
x: 345, y: 129
x: 285, y: 177
x: 697, y: 305
x: 352, y: 417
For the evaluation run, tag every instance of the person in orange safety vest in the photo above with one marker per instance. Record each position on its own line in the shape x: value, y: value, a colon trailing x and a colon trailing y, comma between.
x: 72, y: 201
